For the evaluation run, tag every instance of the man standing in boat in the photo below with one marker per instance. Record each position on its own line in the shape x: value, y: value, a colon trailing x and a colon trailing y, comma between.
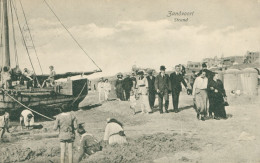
x: 28, y: 76
x: 6, y: 78
x: 50, y: 80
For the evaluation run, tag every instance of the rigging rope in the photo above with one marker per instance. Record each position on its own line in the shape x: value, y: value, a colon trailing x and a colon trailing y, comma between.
x: 15, y: 47
x: 12, y: 4
x: 22, y: 36
x: 26, y: 106
x: 70, y: 34
x: 30, y: 35
x: 2, y: 27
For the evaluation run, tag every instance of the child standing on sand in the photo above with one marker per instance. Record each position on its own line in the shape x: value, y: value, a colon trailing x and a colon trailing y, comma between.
x: 66, y: 122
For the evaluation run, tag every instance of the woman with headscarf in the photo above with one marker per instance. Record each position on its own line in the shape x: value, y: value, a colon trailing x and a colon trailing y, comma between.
x: 114, y: 132
x: 119, y: 87
x: 217, y: 92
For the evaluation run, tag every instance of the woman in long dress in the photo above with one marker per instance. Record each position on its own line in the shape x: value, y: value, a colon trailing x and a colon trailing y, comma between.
x: 107, y: 89
x: 119, y: 87
x: 200, y: 95
x: 114, y: 132
x: 218, y: 93
x: 101, y: 90
x: 142, y: 85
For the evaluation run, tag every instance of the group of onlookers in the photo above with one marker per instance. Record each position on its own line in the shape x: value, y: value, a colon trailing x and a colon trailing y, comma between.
x: 207, y: 90
x: 143, y: 88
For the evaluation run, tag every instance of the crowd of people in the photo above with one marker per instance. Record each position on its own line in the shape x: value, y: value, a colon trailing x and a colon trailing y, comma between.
x: 143, y: 87
x: 207, y: 90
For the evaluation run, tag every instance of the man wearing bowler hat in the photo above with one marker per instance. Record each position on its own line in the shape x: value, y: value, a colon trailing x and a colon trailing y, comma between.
x: 163, y: 86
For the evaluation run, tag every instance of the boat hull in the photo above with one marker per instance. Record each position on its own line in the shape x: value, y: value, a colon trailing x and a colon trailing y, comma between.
x: 42, y: 99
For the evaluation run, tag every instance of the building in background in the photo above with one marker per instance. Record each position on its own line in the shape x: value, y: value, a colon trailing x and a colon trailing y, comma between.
x: 233, y: 60
x: 212, y: 62
x: 251, y: 57
x: 193, y: 65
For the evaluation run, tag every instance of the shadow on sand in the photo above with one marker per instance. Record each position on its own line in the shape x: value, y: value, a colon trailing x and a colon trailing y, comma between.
x: 88, y: 107
x: 183, y: 108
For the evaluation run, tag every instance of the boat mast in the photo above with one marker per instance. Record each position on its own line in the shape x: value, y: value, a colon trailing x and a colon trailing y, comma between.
x: 6, y: 35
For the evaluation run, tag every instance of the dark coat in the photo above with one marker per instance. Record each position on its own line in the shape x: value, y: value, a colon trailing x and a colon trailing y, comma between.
x: 218, y: 85
x: 163, y: 84
x: 151, y: 87
x: 127, y: 84
x: 176, y: 81
x: 119, y: 85
x: 134, y: 81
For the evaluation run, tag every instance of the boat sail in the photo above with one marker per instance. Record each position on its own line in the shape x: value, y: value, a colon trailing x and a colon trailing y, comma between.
x: 15, y: 95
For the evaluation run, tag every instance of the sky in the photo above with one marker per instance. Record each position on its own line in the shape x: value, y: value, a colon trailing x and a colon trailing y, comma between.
x: 118, y: 34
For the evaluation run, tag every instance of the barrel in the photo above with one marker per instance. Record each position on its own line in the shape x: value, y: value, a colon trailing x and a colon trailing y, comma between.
x: 249, y: 81
x: 232, y: 80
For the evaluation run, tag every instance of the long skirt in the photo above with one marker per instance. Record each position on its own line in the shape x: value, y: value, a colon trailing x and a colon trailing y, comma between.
x: 219, y: 108
x: 106, y: 94
x: 120, y: 94
x: 201, y: 101
x: 101, y: 95
x: 145, y: 107
x: 117, y: 139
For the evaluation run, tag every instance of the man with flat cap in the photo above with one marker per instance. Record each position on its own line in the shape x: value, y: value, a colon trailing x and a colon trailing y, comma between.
x: 163, y: 87
x: 176, y: 79
x: 151, y: 88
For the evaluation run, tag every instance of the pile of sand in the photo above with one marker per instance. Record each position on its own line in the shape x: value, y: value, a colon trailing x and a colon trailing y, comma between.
x: 20, y: 154
x: 145, y: 148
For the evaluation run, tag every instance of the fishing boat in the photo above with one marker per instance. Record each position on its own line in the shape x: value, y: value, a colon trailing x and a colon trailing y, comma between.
x: 69, y: 88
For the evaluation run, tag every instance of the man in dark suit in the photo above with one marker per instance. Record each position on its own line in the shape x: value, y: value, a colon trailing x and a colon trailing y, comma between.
x: 127, y: 85
x: 176, y: 79
x: 134, y: 81
x: 163, y: 87
x: 151, y: 88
